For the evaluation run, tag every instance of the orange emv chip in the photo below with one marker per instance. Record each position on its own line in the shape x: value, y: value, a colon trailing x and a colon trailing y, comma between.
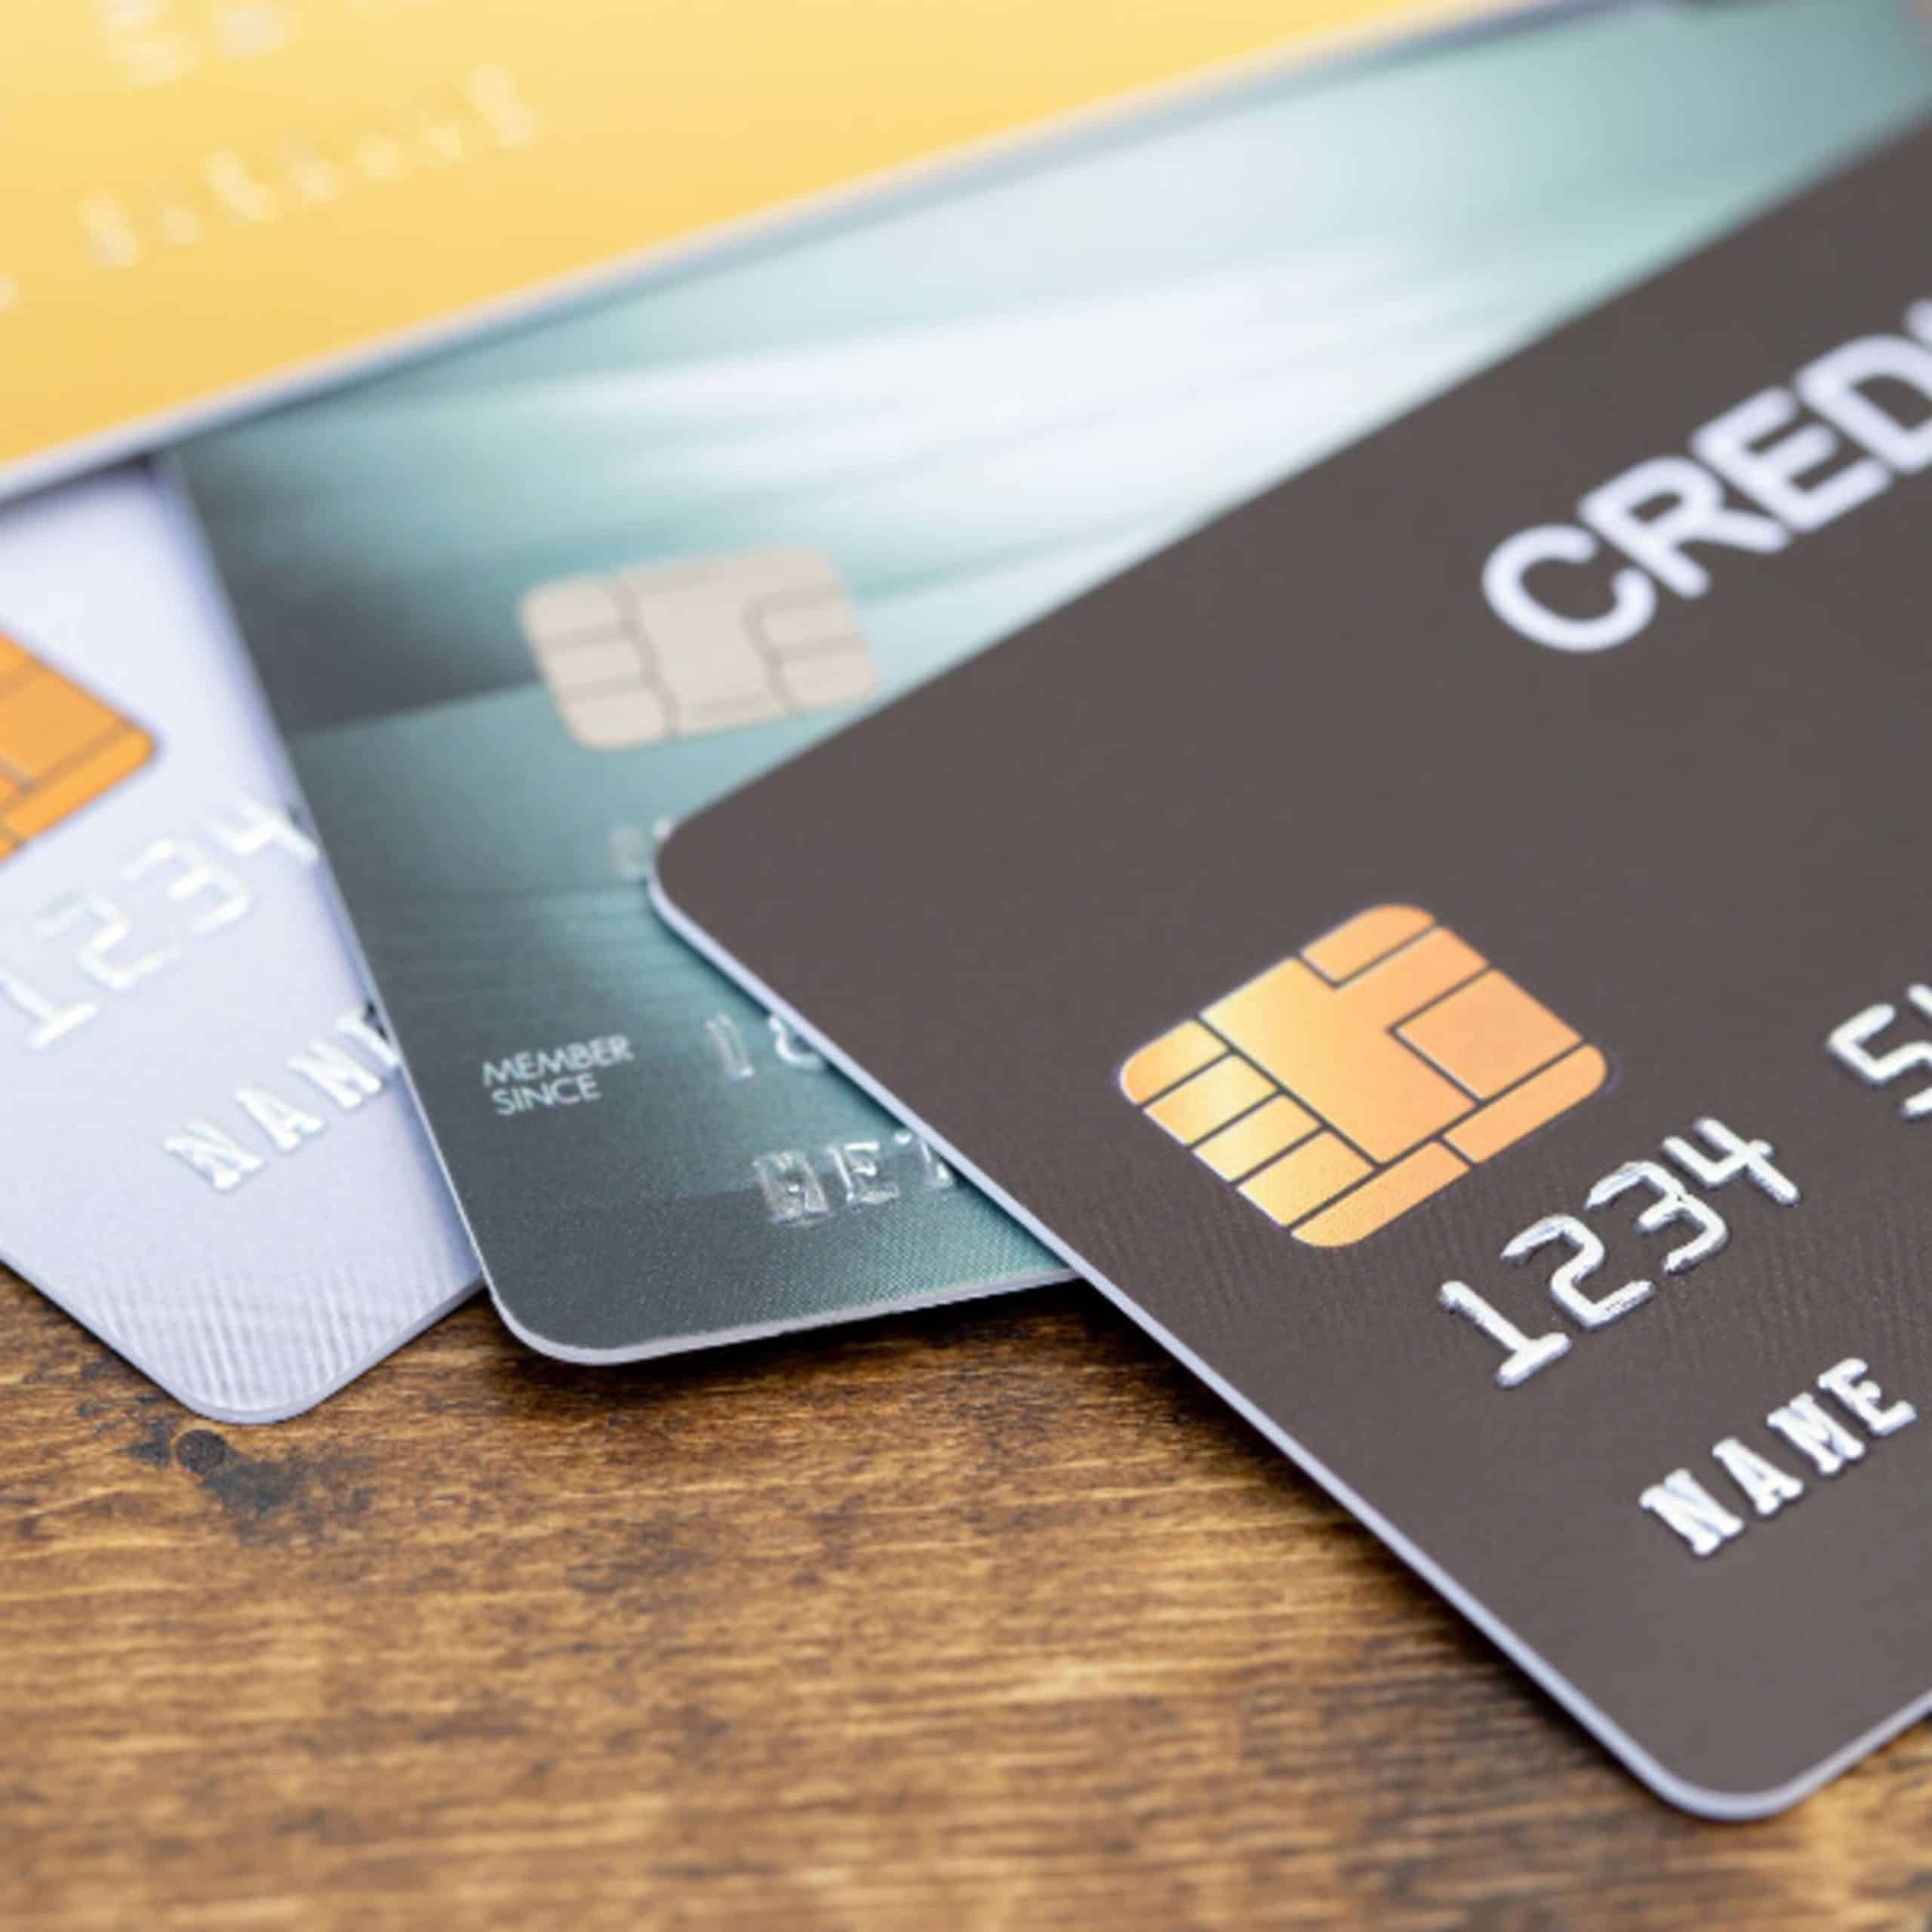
x: 1352, y: 1081
x: 60, y: 747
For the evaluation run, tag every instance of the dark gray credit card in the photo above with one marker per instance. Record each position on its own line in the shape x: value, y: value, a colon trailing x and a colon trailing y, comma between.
x: 1447, y: 947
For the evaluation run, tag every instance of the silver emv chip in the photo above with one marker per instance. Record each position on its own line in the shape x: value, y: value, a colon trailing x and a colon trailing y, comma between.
x: 669, y: 651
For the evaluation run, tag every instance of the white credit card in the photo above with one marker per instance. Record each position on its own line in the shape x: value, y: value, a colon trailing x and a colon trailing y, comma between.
x: 207, y: 1152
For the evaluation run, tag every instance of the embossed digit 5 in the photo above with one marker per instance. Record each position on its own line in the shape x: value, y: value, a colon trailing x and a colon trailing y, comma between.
x: 1850, y: 1045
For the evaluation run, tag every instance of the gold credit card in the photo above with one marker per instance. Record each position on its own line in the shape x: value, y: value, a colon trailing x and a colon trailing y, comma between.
x: 204, y: 200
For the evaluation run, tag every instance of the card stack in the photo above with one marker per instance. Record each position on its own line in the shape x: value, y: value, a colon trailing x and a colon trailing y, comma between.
x: 1301, y: 703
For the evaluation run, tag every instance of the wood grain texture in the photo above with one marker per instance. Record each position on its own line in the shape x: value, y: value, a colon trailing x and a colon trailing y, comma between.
x: 984, y: 1619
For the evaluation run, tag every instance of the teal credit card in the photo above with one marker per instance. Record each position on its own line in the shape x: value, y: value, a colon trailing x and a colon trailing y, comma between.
x: 519, y: 609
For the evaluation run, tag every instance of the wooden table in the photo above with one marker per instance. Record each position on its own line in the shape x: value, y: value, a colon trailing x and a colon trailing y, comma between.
x: 984, y: 1618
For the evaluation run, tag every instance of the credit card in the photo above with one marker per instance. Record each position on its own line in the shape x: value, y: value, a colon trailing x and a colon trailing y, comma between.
x: 209, y: 1156
x: 1444, y: 946
x: 517, y: 609
x: 208, y: 201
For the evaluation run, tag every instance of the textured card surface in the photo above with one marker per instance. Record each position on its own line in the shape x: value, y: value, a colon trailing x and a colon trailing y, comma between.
x: 1446, y: 946
x: 209, y: 1154
x: 516, y: 609
x: 208, y: 199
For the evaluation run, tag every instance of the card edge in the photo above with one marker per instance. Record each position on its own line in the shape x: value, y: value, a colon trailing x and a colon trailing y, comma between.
x: 178, y: 1390
x: 699, y: 1341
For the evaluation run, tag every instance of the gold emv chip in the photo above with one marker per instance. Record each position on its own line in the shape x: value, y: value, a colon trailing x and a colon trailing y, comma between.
x: 60, y: 747
x: 1349, y: 1083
